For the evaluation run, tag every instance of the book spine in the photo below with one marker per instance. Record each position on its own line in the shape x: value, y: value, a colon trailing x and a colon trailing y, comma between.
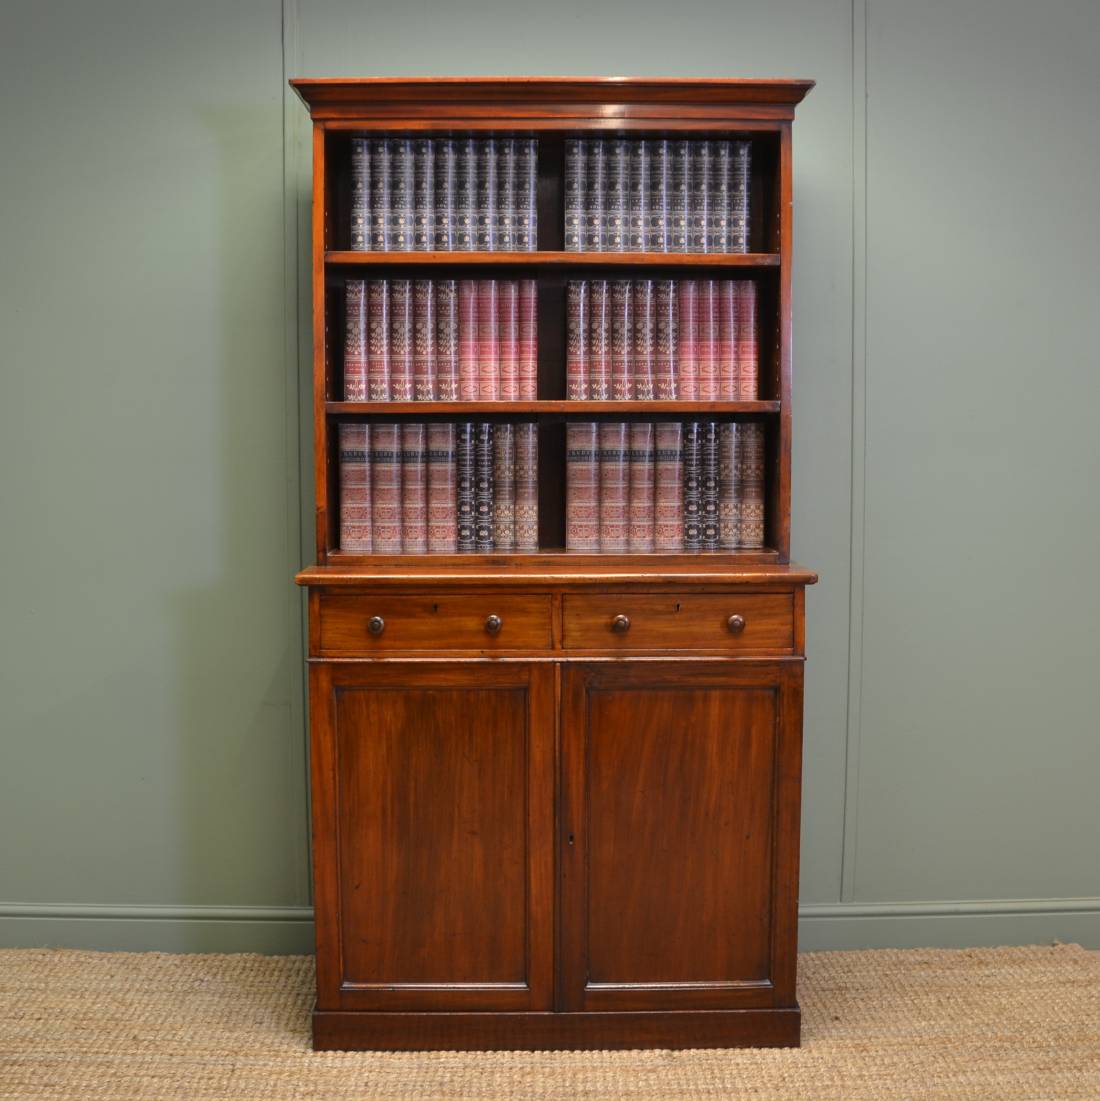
x: 527, y: 487
x: 664, y: 364
x: 668, y: 522
x: 443, y: 229
x: 687, y: 365
x: 699, y: 192
x: 423, y: 194
x: 657, y: 208
x: 679, y: 184
x: 414, y: 489
x: 465, y: 194
x: 641, y: 532
x: 752, y: 486
x: 488, y: 341
x: 718, y: 201
x: 739, y: 196
x: 595, y: 188
x: 483, y: 486
x: 356, y: 330
x: 576, y: 340
x: 709, y: 485
x: 424, y: 340
x: 385, y: 471
x: 468, y: 389
x: 504, y: 213
x: 728, y: 389
x: 693, y: 487
x: 576, y: 194
x: 525, y: 233
x: 379, y: 194
x: 378, y: 340
x: 622, y: 339
x: 401, y: 324
x: 582, y: 487
x: 614, y: 212
x: 446, y: 340
x: 442, y: 503
x: 707, y: 346
x: 360, y: 195
x: 504, y: 487
x: 465, y: 477
x: 599, y: 340
x: 637, y: 205
x: 355, y: 510
x: 645, y: 340
x: 487, y: 197
x: 528, y: 339
x: 729, y: 487
x: 748, y: 363
x: 401, y: 195
x: 614, y: 487
x: 508, y: 338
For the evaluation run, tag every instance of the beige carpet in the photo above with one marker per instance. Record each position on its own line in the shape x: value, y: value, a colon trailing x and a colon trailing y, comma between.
x: 1002, y: 1024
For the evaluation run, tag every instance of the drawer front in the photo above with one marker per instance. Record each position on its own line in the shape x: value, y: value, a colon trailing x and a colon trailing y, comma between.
x: 680, y: 621
x: 363, y: 624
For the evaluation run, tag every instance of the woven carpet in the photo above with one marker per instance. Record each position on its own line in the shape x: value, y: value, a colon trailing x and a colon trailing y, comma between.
x: 1003, y: 1024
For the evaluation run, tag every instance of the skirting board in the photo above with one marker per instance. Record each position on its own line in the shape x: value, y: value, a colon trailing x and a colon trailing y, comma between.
x: 288, y: 930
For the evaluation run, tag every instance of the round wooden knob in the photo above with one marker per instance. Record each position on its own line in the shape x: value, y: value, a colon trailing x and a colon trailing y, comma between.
x: 736, y: 624
x: 620, y: 624
x: 493, y: 624
x: 376, y: 624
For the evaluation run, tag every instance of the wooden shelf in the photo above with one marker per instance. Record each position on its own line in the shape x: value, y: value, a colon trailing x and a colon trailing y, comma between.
x: 479, y: 408
x: 554, y: 259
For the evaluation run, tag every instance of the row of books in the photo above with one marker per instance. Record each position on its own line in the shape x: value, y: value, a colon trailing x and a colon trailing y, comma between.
x: 638, y: 487
x: 438, y: 488
x: 664, y: 339
x: 441, y: 340
x: 444, y: 194
x: 642, y: 195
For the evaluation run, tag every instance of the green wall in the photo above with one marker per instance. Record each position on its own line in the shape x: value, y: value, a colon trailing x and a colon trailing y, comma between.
x: 154, y: 350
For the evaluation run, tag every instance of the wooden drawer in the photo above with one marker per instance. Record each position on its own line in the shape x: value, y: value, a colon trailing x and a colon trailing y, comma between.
x: 445, y: 623
x: 680, y: 621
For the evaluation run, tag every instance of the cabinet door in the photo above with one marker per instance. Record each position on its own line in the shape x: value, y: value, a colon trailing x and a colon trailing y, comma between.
x: 679, y: 835
x: 433, y: 794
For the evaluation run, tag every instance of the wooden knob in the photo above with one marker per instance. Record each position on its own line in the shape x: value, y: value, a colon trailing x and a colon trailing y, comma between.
x: 620, y: 624
x: 376, y: 624
x: 493, y: 624
x: 736, y: 624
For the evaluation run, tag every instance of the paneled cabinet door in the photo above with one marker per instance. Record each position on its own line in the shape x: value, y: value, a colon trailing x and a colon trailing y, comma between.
x: 433, y: 795
x: 679, y: 835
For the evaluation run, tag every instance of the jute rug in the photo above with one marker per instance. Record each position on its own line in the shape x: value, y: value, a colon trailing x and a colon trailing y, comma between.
x: 1002, y: 1024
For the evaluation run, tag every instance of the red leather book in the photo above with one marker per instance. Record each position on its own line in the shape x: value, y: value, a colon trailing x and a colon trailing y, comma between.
x: 641, y: 533
x: 424, y: 340
x: 504, y: 487
x: 729, y: 486
x: 442, y: 500
x: 693, y: 486
x: 599, y: 340
x: 528, y: 339
x: 378, y: 340
x: 709, y: 485
x: 355, y: 511
x: 508, y: 338
x: 707, y: 355
x: 727, y: 341
x: 622, y: 340
x: 576, y: 340
x: 465, y: 477
x: 527, y: 486
x: 446, y: 340
x: 356, y: 329
x: 488, y: 341
x: 401, y: 334
x: 752, y: 486
x: 614, y: 487
x: 468, y: 388
x: 668, y: 467
x: 687, y: 364
x: 414, y: 488
x: 483, y: 486
x: 385, y: 472
x: 645, y: 340
x: 582, y: 487
x: 748, y: 363
x: 667, y: 338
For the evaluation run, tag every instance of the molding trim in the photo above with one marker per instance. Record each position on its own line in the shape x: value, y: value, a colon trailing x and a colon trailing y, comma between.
x: 97, y: 912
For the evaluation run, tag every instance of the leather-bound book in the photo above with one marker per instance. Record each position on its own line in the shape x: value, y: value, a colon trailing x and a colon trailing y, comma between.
x: 595, y: 193
x: 657, y: 204
x: 402, y: 186
x: 599, y: 340
x: 443, y: 236
x: 355, y: 510
x: 622, y: 339
x: 424, y: 340
x: 666, y: 340
x: 468, y: 341
x: 739, y: 197
x: 504, y: 487
x: 729, y: 486
x: 414, y: 488
x: 508, y: 338
x: 483, y: 486
x: 582, y: 487
x: 487, y: 195
x: 614, y: 487
x: 707, y: 341
x: 488, y: 341
x: 576, y: 340
x: 748, y: 362
x: 527, y: 486
x: 465, y: 477
x: 668, y: 466
x: 693, y: 486
x: 576, y: 170
x: 642, y: 363
x: 718, y: 199
x: 752, y: 486
x: 709, y: 485
x: 446, y: 340
x: 525, y: 196
x: 614, y: 211
x: 385, y: 472
x: 423, y: 194
x: 401, y: 337
x: 442, y: 490
x: 356, y: 330
x: 378, y: 340
x: 679, y: 188
x: 728, y: 389
x: 359, y: 238
x: 528, y: 339
x: 637, y: 199
x: 504, y: 213
x: 379, y: 194
x: 687, y: 351
x: 698, y: 196
x: 641, y: 532
x: 465, y: 194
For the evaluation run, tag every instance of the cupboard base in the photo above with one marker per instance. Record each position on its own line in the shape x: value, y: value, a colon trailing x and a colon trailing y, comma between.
x: 336, y: 1030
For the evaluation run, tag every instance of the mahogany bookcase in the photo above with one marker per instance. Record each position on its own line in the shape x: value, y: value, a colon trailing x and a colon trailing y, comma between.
x: 534, y: 827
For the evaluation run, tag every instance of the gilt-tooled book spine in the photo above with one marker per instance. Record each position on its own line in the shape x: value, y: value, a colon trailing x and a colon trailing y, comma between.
x: 423, y: 195
x: 527, y: 486
x: 614, y: 487
x: 355, y: 509
x: 487, y: 197
x: 642, y: 533
x: 356, y: 330
x: 379, y: 194
x: 465, y: 478
x: 748, y: 363
x: 707, y: 345
x: 614, y: 213
x: 668, y: 523
x: 582, y: 487
x: 401, y: 322
x: 423, y: 340
x: 468, y: 388
x: 664, y: 361
x: 752, y: 486
x: 693, y: 486
x: 687, y: 364
x: 446, y: 340
x: 504, y: 487
x: 442, y: 504
x: 718, y: 200
x: 657, y: 208
x: 698, y: 195
x: 645, y: 340
x: 443, y: 226
x: 599, y: 340
x: 729, y: 487
x: 401, y: 195
x: 728, y: 389
x: 504, y: 213
x: 525, y: 196
x: 360, y: 195
x: 414, y: 488
x: 622, y: 339
x: 508, y: 313
x: 637, y: 204
x: 378, y: 340
x: 576, y: 194
x: 595, y: 191
x: 709, y: 485
x: 739, y: 196
x: 679, y: 186
x: 576, y: 340
x: 528, y: 339
x: 385, y: 469
x: 488, y: 341
x: 465, y: 194
x: 483, y: 486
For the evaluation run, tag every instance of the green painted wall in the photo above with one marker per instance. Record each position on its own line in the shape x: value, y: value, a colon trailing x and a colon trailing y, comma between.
x: 154, y: 338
